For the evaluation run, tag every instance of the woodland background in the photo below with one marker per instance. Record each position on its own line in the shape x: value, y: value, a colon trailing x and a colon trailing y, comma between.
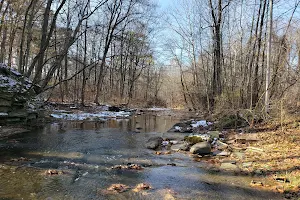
x: 204, y: 55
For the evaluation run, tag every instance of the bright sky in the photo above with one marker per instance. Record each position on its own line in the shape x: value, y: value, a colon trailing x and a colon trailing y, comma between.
x: 164, y: 3
x: 282, y: 13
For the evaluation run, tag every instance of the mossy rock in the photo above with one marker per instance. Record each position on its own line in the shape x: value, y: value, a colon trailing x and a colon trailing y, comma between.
x: 193, y: 139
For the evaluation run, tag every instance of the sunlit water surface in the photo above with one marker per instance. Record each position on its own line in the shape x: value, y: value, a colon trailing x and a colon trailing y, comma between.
x: 86, y: 151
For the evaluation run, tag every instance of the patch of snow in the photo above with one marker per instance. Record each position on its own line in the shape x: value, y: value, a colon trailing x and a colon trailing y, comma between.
x: 177, y: 128
x: 158, y: 109
x: 196, y: 124
x: 91, y: 116
x: 3, y: 114
x: 202, y: 123
x: 7, y: 82
x: 174, y: 142
x: 12, y: 84
x: 13, y: 80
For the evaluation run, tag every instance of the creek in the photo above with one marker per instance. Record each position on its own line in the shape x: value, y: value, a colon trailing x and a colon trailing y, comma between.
x: 86, y: 151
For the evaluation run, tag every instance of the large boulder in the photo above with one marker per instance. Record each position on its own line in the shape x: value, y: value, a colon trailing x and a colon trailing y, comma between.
x: 154, y: 142
x: 201, y: 148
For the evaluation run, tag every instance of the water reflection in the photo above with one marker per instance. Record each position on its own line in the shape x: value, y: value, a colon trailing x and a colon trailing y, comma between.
x: 137, y: 123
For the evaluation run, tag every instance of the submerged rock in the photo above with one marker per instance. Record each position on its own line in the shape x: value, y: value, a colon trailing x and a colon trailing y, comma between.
x: 180, y: 147
x: 154, y: 143
x: 202, y: 148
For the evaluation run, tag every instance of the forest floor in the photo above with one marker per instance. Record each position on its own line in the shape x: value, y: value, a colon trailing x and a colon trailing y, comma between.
x: 269, y: 153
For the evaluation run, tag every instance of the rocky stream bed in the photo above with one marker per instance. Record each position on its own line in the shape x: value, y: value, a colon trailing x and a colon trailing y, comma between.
x: 134, y: 154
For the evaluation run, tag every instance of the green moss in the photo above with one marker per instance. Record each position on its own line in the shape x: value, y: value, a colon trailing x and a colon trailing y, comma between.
x: 193, y: 139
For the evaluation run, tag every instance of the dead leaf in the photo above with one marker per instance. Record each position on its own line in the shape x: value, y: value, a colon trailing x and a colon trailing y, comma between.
x: 118, y: 188
x: 142, y: 186
x: 53, y: 172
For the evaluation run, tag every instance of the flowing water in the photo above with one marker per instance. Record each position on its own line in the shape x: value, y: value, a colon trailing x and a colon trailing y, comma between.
x: 86, y: 151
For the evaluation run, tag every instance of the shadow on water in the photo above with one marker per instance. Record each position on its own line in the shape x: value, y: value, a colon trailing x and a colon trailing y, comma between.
x: 86, y: 151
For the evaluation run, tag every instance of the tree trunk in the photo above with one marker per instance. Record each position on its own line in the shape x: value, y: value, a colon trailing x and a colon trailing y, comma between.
x: 269, y: 57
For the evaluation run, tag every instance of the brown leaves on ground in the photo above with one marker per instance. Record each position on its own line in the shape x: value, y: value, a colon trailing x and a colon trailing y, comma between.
x: 281, y: 152
x: 277, y: 155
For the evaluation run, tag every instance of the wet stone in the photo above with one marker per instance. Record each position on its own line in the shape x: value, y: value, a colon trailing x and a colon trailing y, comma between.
x: 180, y: 147
x: 154, y: 143
x: 201, y: 148
x: 229, y: 166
